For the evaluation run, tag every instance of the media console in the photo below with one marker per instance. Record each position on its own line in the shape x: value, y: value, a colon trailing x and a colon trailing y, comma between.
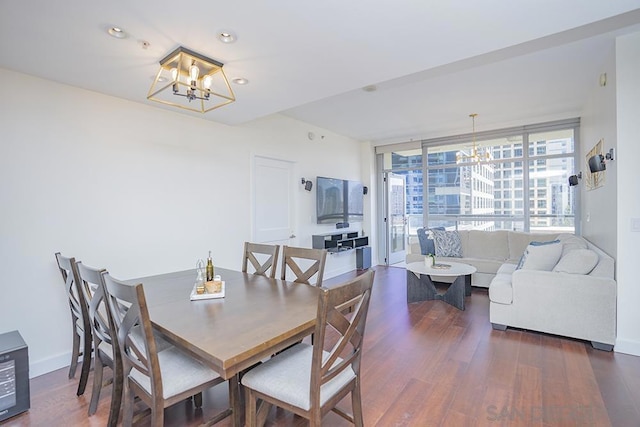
x: 14, y: 375
x: 338, y: 242
x: 347, y: 241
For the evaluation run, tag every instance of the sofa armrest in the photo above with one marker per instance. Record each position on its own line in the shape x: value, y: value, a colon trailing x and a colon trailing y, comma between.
x: 574, y: 305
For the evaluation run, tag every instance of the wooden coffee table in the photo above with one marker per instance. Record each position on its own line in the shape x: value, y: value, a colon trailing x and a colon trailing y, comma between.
x: 421, y: 286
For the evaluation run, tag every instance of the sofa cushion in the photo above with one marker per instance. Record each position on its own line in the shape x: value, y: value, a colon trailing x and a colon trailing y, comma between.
x: 500, y: 290
x: 518, y: 242
x: 489, y: 266
x: 542, y: 255
x: 488, y: 245
x: 506, y: 268
x: 447, y: 243
x: 571, y: 242
x: 577, y: 261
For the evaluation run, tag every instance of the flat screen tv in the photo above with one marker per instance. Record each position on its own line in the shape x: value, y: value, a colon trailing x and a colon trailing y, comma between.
x: 339, y: 201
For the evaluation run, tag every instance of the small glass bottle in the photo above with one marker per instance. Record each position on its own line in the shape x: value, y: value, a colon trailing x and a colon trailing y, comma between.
x: 200, y: 277
x: 210, y: 269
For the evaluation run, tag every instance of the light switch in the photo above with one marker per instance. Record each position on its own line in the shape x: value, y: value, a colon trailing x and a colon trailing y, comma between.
x: 635, y: 224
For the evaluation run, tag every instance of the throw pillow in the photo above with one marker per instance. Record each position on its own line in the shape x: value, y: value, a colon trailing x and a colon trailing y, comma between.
x: 447, y: 243
x: 571, y: 242
x: 577, y: 261
x: 542, y: 255
x: 425, y: 238
x: 426, y: 244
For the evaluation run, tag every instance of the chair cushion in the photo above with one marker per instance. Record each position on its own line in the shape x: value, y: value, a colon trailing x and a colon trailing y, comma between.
x: 287, y: 377
x: 577, y: 261
x: 447, y: 243
x: 180, y: 372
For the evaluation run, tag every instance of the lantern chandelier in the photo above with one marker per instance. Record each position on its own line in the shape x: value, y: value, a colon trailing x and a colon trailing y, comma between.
x: 191, y: 81
x: 477, y: 155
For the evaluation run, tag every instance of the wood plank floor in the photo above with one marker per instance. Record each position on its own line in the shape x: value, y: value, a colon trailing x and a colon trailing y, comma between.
x: 427, y: 364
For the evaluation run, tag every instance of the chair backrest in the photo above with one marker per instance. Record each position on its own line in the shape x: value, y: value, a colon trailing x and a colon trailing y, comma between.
x: 266, y: 268
x: 347, y: 350
x: 128, y: 308
x: 71, y: 278
x: 291, y: 254
x: 92, y: 285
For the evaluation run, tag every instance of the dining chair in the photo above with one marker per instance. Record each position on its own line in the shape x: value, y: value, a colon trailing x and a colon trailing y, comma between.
x: 293, y: 258
x: 159, y: 378
x: 309, y: 380
x: 79, y: 320
x: 266, y: 267
x: 106, y: 351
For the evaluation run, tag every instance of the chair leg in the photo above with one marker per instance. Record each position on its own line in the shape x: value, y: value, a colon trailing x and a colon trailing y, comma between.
x: 75, y: 353
x: 356, y: 404
x: 129, y: 401
x: 250, y: 409
x: 116, y: 393
x: 86, y: 364
x: 157, y: 414
x: 197, y: 400
x: 98, y: 370
x: 315, y: 418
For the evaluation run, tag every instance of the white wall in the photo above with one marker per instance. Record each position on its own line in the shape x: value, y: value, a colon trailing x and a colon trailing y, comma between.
x: 598, y: 121
x: 132, y: 188
x: 628, y: 203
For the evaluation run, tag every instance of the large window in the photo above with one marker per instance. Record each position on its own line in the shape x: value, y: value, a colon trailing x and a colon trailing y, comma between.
x: 523, y: 185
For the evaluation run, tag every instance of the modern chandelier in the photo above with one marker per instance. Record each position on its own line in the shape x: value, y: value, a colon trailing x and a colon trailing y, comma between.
x: 191, y: 81
x: 476, y: 155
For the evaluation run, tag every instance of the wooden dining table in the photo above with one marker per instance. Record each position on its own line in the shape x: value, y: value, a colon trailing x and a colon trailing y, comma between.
x: 257, y: 317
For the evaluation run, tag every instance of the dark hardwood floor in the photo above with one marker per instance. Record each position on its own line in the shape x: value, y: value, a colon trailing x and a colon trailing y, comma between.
x: 427, y: 364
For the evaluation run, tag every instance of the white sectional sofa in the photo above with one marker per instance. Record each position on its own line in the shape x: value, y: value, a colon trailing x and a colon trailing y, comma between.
x: 485, y: 250
x: 577, y: 300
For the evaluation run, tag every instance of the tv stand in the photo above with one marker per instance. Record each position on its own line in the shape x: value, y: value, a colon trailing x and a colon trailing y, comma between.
x: 339, y: 242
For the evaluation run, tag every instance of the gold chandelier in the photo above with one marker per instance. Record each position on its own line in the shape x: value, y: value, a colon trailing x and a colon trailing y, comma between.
x: 191, y: 81
x: 476, y: 155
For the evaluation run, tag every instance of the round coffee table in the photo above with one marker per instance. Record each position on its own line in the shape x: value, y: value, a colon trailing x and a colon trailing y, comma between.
x: 421, y: 286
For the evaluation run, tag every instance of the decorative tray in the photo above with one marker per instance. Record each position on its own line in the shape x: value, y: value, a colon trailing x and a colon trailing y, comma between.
x: 439, y: 266
x: 206, y: 295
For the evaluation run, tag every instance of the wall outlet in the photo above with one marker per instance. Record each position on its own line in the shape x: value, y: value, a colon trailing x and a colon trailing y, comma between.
x: 635, y: 224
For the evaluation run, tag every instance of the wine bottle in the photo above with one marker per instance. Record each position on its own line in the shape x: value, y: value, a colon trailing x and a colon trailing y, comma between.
x: 209, y: 268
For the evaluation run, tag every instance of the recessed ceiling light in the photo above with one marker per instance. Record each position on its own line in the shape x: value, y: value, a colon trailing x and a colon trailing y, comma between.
x: 370, y: 88
x: 240, y: 81
x: 227, y: 36
x: 117, y: 32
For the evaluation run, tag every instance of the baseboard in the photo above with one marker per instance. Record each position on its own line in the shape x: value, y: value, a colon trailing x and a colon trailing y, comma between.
x: 627, y: 347
x: 50, y: 364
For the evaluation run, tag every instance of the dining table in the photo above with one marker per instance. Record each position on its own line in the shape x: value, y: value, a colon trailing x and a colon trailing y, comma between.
x: 257, y: 317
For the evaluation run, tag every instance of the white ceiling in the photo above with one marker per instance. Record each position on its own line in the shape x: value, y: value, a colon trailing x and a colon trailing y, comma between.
x: 513, y: 62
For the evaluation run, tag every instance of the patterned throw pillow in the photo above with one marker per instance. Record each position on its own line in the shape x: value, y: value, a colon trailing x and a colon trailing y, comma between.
x: 447, y: 243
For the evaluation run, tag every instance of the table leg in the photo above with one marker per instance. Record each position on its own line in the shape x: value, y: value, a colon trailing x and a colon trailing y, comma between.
x: 236, y: 401
x: 467, y: 285
x: 420, y: 288
x: 455, y: 294
x: 423, y: 289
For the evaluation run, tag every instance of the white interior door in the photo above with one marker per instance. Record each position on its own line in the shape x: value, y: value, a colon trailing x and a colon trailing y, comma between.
x: 396, y: 218
x: 273, y: 207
